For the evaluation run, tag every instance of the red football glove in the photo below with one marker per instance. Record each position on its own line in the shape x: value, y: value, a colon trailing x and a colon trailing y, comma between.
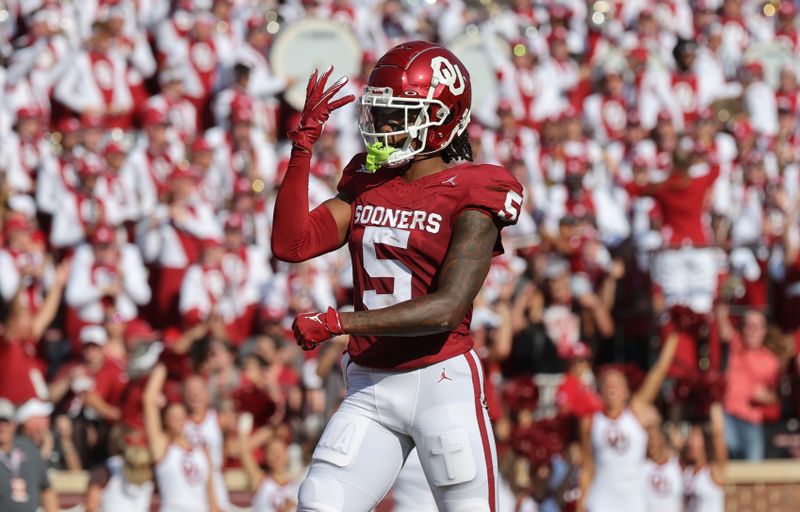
x: 317, y: 109
x: 311, y: 329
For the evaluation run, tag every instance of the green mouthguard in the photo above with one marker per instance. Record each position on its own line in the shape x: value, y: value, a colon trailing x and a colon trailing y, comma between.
x: 377, y: 155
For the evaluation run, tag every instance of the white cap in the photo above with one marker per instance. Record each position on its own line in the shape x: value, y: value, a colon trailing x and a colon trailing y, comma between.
x: 6, y: 410
x: 94, y: 334
x: 34, y: 408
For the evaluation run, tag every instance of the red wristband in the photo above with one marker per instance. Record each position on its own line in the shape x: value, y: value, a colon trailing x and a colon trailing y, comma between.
x: 333, y: 322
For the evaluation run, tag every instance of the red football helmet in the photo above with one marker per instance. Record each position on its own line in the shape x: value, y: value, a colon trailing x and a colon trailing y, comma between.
x: 423, y: 88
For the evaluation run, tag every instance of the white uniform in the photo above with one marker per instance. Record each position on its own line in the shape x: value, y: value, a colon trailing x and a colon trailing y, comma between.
x: 273, y: 497
x: 229, y: 290
x: 182, y: 478
x: 119, y: 495
x: 701, y: 493
x: 664, y: 486
x: 620, y: 449
x: 87, y: 280
x: 88, y: 81
x: 77, y: 214
x: 208, y: 434
x: 438, y: 409
x: 411, y: 490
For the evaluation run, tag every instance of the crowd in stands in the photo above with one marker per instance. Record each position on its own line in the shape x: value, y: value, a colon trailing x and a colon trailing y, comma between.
x: 142, y: 142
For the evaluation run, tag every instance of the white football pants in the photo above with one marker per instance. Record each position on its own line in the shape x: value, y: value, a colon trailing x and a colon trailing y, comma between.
x: 440, y: 409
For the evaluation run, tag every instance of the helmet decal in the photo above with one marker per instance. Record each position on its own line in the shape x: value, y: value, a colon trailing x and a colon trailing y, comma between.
x: 444, y: 72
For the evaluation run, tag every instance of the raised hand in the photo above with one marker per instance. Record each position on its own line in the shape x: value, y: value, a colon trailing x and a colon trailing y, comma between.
x: 318, y: 108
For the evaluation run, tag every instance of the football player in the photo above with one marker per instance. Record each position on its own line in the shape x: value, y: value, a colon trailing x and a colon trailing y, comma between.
x: 422, y: 224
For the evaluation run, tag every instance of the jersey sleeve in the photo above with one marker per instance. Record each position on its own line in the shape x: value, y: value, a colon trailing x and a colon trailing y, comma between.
x: 495, y: 192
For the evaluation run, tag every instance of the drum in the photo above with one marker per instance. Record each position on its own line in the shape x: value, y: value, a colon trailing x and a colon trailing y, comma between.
x: 473, y: 51
x: 301, y: 47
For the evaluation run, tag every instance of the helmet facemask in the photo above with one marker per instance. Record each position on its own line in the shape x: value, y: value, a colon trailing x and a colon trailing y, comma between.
x: 406, y: 117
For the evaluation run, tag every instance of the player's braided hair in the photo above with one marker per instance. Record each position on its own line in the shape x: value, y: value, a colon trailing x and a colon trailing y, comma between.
x: 459, y: 149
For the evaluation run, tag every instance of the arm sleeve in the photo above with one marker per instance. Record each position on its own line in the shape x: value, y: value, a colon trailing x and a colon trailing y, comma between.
x: 297, y: 234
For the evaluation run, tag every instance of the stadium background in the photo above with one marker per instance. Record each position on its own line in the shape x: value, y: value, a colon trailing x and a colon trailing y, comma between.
x: 115, y: 110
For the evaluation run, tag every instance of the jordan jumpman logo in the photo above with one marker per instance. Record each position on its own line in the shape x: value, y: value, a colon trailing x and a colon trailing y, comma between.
x: 443, y: 377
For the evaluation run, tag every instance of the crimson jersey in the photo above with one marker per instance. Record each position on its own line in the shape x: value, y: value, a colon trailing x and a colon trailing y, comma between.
x: 683, y: 205
x: 399, y: 236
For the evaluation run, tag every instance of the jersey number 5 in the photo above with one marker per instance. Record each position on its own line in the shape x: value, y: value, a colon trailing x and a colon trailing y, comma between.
x: 384, y: 267
x: 511, y: 208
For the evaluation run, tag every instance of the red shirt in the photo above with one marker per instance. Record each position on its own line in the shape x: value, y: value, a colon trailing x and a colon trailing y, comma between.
x: 109, y: 382
x: 747, y: 369
x: 573, y: 397
x: 399, y: 236
x: 20, y: 372
x: 683, y: 205
x: 250, y: 398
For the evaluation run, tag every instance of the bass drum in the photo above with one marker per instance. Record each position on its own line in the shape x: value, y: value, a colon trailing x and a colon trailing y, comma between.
x: 473, y: 51
x: 310, y: 44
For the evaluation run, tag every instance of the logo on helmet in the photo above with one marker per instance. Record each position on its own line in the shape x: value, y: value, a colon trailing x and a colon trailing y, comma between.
x: 444, y: 72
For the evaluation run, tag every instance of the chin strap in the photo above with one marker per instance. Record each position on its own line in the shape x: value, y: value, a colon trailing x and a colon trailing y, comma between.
x: 377, y: 155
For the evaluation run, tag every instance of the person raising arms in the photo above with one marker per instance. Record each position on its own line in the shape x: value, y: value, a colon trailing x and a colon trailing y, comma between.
x: 614, y: 440
x: 183, y: 472
x: 706, y: 457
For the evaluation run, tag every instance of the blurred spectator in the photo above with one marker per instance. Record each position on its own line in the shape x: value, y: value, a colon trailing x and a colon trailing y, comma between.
x: 25, y: 152
x: 614, y: 440
x: 85, y: 208
x: 33, y: 420
x: 24, y: 485
x: 173, y: 235
x: 96, y: 80
x: 123, y: 481
x: 685, y: 269
x: 183, y: 471
x: 23, y: 264
x: 203, y: 430
x: 575, y: 395
x: 752, y: 381
x: 88, y: 392
x: 664, y: 473
x: 23, y: 377
x: 108, y: 281
x: 274, y: 487
x: 706, y: 458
